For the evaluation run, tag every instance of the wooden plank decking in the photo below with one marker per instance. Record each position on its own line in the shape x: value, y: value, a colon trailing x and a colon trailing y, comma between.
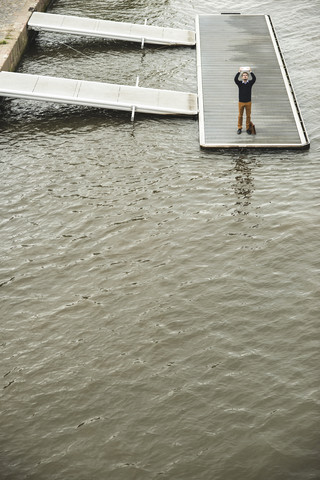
x: 224, y: 43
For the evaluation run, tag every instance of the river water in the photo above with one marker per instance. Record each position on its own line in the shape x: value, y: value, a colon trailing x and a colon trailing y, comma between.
x: 159, y: 303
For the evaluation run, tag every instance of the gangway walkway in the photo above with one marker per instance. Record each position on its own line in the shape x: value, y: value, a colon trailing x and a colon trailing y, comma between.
x: 224, y: 43
x: 112, y: 30
x: 97, y: 94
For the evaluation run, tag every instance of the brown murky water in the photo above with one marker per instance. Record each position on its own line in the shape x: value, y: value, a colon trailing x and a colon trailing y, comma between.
x: 159, y: 303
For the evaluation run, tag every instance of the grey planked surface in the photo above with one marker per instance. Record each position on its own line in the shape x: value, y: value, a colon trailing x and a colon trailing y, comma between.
x: 224, y: 43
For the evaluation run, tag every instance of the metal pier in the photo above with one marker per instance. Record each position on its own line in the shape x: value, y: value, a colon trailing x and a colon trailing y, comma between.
x: 224, y: 43
x: 112, y: 30
x: 97, y: 94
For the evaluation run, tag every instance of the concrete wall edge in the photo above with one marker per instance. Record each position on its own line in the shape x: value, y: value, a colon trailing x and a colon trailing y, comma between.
x: 12, y: 51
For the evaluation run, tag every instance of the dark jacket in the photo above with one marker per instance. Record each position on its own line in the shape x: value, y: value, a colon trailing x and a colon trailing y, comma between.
x: 245, y: 88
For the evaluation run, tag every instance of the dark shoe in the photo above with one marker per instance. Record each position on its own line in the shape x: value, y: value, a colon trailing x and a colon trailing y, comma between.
x: 239, y: 131
x: 249, y: 132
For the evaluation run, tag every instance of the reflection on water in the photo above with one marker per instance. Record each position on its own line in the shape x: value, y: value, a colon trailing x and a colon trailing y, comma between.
x: 244, y: 185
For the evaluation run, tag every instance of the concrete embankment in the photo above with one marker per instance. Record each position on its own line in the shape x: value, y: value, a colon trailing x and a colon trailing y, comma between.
x: 14, y: 35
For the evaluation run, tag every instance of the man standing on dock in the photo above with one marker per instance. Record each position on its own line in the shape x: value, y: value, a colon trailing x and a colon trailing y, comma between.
x: 245, y: 85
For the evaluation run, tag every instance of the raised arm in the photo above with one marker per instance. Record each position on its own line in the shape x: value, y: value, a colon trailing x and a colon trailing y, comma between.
x: 254, y: 78
x: 236, y: 79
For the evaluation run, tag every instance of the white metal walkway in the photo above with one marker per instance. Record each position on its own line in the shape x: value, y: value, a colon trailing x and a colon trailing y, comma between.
x: 97, y: 94
x: 107, y: 29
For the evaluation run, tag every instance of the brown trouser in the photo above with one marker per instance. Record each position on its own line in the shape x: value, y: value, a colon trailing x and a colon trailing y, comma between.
x: 242, y: 106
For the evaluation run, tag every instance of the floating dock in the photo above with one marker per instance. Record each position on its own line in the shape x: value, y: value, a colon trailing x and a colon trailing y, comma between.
x: 97, y: 94
x: 111, y: 30
x: 224, y: 43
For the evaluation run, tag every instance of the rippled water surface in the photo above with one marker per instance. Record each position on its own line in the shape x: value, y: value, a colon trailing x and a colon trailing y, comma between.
x: 159, y: 303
